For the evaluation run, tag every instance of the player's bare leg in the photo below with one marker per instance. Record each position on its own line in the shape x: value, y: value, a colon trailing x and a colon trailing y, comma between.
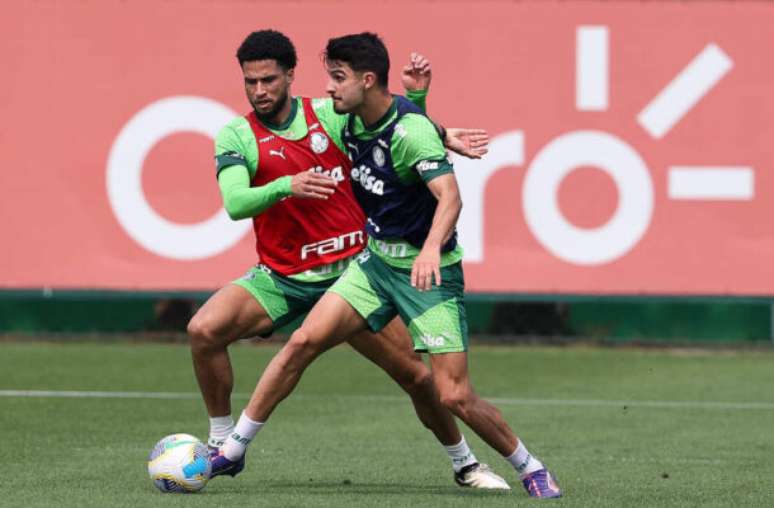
x: 230, y: 314
x: 330, y: 322
x: 450, y: 373
x: 391, y: 350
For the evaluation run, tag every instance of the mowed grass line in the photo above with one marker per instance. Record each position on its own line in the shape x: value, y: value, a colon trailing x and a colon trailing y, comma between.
x: 350, y: 439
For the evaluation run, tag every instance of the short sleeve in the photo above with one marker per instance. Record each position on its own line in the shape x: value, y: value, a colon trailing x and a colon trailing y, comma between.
x: 417, y: 149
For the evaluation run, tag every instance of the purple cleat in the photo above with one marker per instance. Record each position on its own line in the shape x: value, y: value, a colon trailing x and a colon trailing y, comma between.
x: 222, y: 466
x: 540, y: 483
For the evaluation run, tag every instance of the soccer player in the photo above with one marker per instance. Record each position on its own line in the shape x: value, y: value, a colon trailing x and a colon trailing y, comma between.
x: 411, y: 267
x: 285, y: 166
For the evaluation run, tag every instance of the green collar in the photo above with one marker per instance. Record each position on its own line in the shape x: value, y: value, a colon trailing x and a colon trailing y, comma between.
x: 292, y: 116
x: 384, y: 119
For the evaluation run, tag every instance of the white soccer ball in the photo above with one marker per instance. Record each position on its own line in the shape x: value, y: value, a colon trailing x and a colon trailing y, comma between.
x: 179, y: 463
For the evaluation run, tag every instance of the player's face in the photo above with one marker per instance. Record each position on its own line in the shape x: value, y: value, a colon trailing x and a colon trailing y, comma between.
x: 267, y: 86
x: 345, y: 86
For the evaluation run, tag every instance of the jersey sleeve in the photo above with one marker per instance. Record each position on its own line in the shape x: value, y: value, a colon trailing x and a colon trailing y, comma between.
x: 333, y: 123
x: 242, y: 201
x: 418, y: 97
x: 235, y: 146
x: 417, y: 150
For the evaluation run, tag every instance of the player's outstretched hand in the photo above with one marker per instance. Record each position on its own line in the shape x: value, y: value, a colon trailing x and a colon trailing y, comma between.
x: 470, y: 143
x: 417, y: 74
x: 426, y: 265
x: 311, y: 185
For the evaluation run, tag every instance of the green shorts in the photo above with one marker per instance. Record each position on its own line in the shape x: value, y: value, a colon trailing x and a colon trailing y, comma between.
x: 378, y: 292
x: 284, y: 299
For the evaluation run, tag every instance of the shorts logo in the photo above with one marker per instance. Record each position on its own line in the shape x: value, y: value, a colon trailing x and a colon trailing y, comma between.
x: 363, y: 256
x: 431, y: 341
x: 379, y: 158
x: 318, y: 142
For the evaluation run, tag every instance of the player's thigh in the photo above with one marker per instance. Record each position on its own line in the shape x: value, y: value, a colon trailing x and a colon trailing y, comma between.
x: 436, y: 318
x: 231, y: 313
x: 391, y: 349
x: 361, y: 287
x: 331, y: 321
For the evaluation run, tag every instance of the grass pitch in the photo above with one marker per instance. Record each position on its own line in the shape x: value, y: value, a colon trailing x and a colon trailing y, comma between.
x: 620, y: 427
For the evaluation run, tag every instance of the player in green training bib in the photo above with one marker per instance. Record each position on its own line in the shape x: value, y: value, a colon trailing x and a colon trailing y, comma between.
x: 412, y: 265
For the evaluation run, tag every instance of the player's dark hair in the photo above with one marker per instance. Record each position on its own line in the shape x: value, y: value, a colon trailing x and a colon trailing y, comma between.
x: 268, y: 45
x: 362, y: 52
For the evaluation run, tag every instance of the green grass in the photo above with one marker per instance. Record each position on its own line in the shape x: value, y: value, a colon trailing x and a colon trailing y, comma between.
x: 348, y: 438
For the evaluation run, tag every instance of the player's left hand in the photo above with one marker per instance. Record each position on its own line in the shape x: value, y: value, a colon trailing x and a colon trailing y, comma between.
x: 426, y: 265
x: 417, y: 74
x: 470, y: 143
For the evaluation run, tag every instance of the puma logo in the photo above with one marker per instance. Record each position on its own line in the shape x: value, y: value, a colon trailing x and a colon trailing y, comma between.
x: 280, y: 153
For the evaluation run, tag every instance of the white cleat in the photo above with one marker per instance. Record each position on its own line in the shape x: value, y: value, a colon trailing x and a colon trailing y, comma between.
x: 480, y: 476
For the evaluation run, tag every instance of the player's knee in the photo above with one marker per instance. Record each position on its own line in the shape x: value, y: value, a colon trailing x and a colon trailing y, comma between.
x: 457, y: 399
x: 301, y: 347
x: 419, y: 382
x: 203, y: 334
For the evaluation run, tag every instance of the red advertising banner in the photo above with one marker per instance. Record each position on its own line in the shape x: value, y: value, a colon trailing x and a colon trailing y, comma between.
x: 631, y: 141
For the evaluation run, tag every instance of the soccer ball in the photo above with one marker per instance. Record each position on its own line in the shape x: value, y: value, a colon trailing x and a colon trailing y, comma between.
x: 179, y: 463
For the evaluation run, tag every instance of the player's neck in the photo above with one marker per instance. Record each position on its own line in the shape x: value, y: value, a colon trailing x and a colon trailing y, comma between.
x: 375, y: 107
x: 281, y: 117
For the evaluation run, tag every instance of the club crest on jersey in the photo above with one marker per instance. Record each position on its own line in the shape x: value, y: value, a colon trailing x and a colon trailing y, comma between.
x: 318, y: 142
x: 379, y: 157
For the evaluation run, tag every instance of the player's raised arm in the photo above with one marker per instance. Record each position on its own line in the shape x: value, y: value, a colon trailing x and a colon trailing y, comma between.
x: 416, y: 77
x: 417, y: 74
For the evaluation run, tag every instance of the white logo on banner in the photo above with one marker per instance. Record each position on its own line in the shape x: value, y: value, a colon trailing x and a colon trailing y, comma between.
x: 619, y: 160
x: 124, y: 180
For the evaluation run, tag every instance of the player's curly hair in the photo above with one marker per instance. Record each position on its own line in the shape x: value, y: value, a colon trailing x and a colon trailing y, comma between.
x: 362, y: 52
x: 268, y: 45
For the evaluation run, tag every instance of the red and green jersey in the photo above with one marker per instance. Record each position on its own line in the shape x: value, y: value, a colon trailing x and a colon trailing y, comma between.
x: 295, y: 235
x: 249, y: 191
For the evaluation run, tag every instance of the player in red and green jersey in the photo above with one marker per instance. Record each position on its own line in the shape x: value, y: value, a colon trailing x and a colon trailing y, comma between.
x: 284, y: 165
x: 412, y: 266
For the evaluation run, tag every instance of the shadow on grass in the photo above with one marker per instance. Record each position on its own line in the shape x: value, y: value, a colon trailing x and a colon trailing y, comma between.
x: 345, y: 487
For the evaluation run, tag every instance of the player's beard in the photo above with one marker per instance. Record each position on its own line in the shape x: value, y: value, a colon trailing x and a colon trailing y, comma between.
x: 272, y: 114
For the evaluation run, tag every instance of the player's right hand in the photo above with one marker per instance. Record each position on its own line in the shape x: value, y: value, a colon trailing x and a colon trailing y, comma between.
x: 417, y: 74
x: 311, y: 185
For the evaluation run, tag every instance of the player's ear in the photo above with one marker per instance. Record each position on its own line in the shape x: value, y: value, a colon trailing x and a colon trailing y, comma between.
x: 369, y: 80
x: 291, y: 74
